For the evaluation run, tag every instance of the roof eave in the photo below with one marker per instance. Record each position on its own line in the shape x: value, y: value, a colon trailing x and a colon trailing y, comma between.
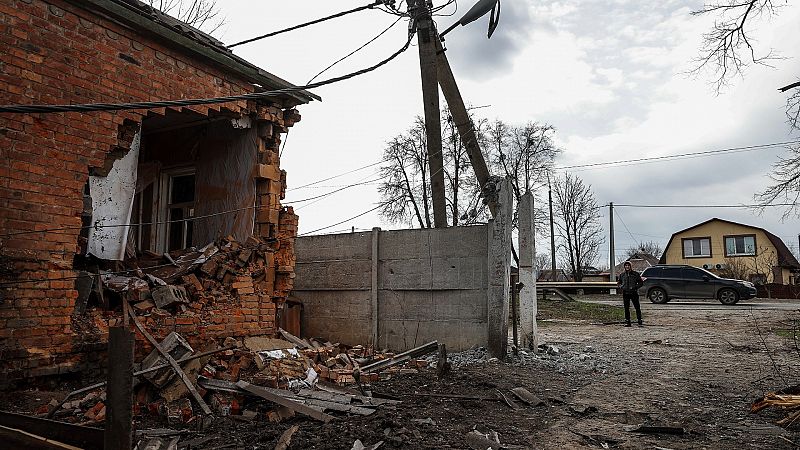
x: 224, y: 59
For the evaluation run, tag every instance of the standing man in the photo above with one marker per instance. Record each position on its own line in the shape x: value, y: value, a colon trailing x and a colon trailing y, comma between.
x: 630, y: 281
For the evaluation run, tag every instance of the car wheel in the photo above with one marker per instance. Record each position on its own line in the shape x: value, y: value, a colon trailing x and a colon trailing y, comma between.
x: 657, y: 295
x: 728, y: 296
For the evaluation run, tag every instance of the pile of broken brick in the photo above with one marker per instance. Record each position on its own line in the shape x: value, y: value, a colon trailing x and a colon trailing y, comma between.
x: 253, y: 379
x: 188, y: 280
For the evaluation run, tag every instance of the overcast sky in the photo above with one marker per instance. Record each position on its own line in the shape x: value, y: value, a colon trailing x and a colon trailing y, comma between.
x: 609, y: 75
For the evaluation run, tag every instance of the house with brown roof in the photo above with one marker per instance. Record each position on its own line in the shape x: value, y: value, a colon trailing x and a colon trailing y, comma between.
x: 735, y: 250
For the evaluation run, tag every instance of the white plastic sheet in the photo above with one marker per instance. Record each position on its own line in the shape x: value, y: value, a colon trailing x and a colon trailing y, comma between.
x: 112, y: 203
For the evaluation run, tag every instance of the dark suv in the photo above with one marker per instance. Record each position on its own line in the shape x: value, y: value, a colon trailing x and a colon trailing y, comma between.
x: 663, y: 283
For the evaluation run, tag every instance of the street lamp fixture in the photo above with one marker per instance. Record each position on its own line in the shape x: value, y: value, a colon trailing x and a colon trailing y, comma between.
x: 480, y: 9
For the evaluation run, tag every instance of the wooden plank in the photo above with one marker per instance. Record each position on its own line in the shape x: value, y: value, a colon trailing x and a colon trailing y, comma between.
x: 400, y: 358
x: 278, y: 400
x: 173, y: 364
x: 66, y: 433
x: 119, y: 407
x: 286, y: 438
x: 302, y: 343
x: 340, y: 407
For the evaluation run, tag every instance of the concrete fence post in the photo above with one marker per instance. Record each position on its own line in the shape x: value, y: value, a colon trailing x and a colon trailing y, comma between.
x: 499, y: 272
x: 527, y: 253
x: 376, y: 233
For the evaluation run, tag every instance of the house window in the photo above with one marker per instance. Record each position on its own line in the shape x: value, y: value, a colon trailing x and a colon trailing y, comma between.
x: 178, y: 206
x: 740, y: 245
x: 697, y: 247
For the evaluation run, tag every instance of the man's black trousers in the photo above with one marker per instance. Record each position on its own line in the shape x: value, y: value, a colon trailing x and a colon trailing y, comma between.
x: 627, y: 298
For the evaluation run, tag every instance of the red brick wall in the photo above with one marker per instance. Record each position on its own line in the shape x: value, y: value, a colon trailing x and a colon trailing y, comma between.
x: 55, y: 53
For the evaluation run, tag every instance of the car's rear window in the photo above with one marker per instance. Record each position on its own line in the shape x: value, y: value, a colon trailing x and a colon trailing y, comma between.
x: 652, y: 272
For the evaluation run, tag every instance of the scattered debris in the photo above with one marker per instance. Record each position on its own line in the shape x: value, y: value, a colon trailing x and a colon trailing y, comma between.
x: 483, y: 441
x: 286, y: 438
x: 655, y: 429
x: 358, y: 445
x: 527, y: 397
x: 781, y: 401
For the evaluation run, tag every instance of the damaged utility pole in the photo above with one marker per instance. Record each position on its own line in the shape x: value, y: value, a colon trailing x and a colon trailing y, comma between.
x: 427, y: 38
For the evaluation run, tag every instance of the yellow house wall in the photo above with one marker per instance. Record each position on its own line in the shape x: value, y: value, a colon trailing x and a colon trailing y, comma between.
x: 716, y: 231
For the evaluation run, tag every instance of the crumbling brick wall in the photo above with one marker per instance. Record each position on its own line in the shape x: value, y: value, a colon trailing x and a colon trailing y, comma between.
x: 57, y: 53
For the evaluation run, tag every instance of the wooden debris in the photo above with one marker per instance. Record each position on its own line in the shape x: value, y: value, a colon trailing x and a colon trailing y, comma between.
x: 507, y: 400
x: 277, y: 399
x: 189, y: 385
x: 655, y: 429
x: 401, y: 358
x: 286, y: 438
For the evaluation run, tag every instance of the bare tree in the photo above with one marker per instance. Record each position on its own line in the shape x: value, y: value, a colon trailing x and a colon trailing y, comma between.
x: 651, y: 248
x: 525, y: 154
x: 757, y: 268
x: 405, y: 191
x: 727, y: 50
x: 578, y: 223
x: 201, y: 14
x: 785, y: 186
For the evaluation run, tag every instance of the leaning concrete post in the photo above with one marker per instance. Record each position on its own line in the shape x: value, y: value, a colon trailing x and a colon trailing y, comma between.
x: 500, y: 271
x: 527, y: 253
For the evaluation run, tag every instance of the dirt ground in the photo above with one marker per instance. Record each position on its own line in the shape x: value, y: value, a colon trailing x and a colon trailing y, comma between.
x: 695, y: 368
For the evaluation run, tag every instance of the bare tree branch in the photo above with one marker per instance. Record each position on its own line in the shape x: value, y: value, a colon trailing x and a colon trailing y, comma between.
x: 728, y: 49
x: 201, y: 14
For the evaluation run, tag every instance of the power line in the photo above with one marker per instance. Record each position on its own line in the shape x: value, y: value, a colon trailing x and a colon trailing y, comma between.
x: 330, y: 193
x: 91, y: 107
x: 742, y: 206
x: 679, y: 156
x: 337, y: 176
x: 313, y: 22
x: 344, y: 221
x: 356, y: 50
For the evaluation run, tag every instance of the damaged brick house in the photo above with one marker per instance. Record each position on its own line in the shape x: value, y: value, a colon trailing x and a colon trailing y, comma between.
x: 103, y: 192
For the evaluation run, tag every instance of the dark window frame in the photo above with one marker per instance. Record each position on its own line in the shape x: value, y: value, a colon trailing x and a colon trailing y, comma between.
x: 710, y: 247
x: 725, y: 245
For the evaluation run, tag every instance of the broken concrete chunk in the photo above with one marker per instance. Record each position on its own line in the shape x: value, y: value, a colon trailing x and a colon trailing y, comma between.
x: 177, y: 347
x: 358, y: 445
x: 527, y: 397
x: 480, y: 441
x: 165, y: 296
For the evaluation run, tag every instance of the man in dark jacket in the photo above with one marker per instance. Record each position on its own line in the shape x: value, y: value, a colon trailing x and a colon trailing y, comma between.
x: 630, y: 281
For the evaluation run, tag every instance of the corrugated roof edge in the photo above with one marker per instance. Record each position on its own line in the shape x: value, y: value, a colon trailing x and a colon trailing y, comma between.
x: 145, y: 19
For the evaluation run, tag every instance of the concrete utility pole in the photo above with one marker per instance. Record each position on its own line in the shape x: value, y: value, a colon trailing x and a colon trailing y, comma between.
x: 612, y: 257
x: 552, y: 234
x: 427, y: 37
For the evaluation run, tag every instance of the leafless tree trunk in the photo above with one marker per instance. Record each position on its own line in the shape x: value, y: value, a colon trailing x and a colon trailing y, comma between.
x: 578, y: 222
x: 201, y: 14
x: 525, y: 154
x: 406, y: 191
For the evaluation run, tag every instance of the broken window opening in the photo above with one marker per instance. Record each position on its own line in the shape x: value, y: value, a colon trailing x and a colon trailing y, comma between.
x: 179, y: 205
